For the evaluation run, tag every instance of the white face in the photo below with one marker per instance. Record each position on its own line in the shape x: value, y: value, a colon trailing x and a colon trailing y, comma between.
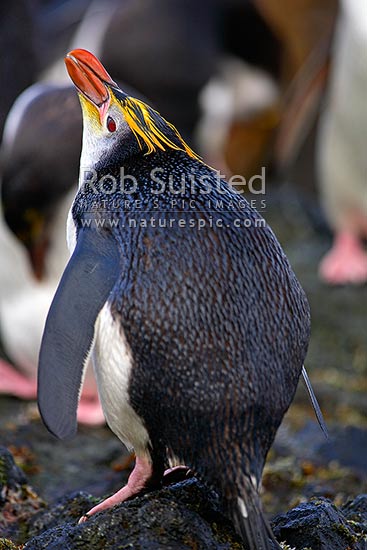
x: 103, y: 135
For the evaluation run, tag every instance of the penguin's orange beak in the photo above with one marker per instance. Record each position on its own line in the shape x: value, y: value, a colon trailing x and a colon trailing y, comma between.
x: 90, y: 78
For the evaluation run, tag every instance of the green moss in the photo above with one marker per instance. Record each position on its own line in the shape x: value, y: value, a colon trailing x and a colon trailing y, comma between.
x: 6, y: 544
x: 190, y: 542
x: 3, y: 476
x: 343, y: 530
x: 224, y: 535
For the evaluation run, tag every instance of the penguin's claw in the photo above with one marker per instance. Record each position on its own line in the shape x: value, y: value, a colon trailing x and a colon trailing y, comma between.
x: 13, y: 382
x: 83, y: 519
x: 176, y: 474
x: 138, y: 481
x: 346, y: 263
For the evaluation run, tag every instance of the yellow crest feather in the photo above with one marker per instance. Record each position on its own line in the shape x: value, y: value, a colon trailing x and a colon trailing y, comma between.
x: 148, y: 127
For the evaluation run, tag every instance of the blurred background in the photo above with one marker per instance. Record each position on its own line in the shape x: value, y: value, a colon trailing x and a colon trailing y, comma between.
x: 250, y: 84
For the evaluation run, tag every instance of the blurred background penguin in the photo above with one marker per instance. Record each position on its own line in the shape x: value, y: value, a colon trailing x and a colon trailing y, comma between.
x: 342, y: 154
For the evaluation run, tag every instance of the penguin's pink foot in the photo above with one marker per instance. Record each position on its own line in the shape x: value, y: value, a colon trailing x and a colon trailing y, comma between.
x: 346, y: 262
x: 90, y: 411
x: 139, y: 480
x: 13, y: 382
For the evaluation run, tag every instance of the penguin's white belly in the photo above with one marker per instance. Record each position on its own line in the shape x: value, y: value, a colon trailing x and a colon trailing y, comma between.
x: 112, y: 361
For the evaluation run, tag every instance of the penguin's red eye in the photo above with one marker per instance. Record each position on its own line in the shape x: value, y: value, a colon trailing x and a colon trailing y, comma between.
x: 111, y: 124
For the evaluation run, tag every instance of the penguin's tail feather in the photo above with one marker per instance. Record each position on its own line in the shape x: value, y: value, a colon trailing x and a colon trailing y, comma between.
x: 249, y: 520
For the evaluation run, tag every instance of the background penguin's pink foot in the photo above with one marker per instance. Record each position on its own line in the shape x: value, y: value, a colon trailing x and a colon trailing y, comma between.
x: 90, y: 411
x: 346, y: 262
x: 138, y: 480
x: 12, y: 382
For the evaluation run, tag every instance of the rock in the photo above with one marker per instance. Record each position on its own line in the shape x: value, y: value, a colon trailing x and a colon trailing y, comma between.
x: 92, y: 462
x: 304, y: 464
x: 346, y: 445
x: 11, y: 477
x: 65, y: 510
x: 320, y: 525
x: 356, y: 510
x: 18, y: 502
x: 182, y: 516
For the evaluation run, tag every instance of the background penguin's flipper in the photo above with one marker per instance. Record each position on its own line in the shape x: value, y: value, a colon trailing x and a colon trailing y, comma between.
x: 69, y: 330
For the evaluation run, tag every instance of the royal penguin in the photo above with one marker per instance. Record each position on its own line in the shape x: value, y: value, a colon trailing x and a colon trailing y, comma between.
x: 40, y: 154
x: 342, y: 159
x: 180, y: 292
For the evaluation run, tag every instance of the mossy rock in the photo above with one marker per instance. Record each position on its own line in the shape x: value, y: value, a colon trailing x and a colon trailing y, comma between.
x: 183, y: 516
x: 320, y: 525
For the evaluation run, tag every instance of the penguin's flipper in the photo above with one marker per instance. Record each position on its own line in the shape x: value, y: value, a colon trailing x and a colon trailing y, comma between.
x: 315, y: 403
x: 68, y: 336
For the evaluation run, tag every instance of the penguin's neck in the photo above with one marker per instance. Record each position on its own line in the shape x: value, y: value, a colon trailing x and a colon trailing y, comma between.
x: 138, y: 174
